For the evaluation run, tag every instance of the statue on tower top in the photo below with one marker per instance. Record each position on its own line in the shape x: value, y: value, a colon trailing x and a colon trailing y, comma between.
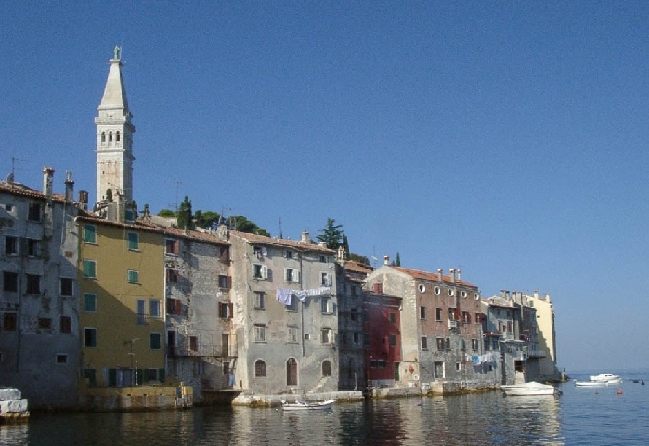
x: 117, y: 52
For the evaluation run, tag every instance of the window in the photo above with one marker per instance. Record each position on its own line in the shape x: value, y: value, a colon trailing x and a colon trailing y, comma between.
x: 393, y: 340
x: 325, y: 336
x: 193, y: 343
x: 10, y: 321
x: 90, y: 269
x: 259, y: 300
x: 140, y: 316
x: 10, y: 282
x: 34, y: 212
x: 354, y: 314
x: 155, y: 341
x: 326, y: 368
x: 224, y: 254
x: 224, y: 282
x: 171, y: 247
x: 422, y: 312
x: 33, y: 284
x: 65, y: 286
x: 479, y: 317
x: 451, y: 292
x: 463, y: 293
x: 89, y: 302
x: 357, y: 337
x: 474, y: 344
x: 226, y: 309
x: 366, y: 339
x: 291, y: 275
x: 290, y: 254
x: 258, y: 252
x: 440, y: 343
x: 326, y: 305
x: 90, y: 233
x: 90, y: 337
x: 292, y: 306
x: 33, y: 247
x: 174, y: 306
x: 437, y: 291
x: 153, y: 375
x: 458, y: 366
x: 323, y: 259
x: 438, y: 314
x: 259, y: 271
x: 424, y: 343
x: 129, y: 214
x: 61, y: 358
x: 422, y: 288
x: 117, y: 137
x: 154, y: 308
x: 132, y: 276
x: 133, y: 241
x: 91, y: 376
x: 325, y: 279
x: 448, y: 343
x: 171, y: 275
x: 260, y: 368
x: 11, y: 245
x: 9, y: 207
x: 260, y: 333
x: 393, y: 318
x: 65, y: 324
x: 292, y: 334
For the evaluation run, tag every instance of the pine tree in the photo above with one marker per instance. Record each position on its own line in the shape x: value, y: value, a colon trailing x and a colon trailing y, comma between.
x: 332, y: 234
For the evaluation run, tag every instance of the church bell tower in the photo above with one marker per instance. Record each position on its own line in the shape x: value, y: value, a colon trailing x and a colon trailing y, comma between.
x: 114, y: 137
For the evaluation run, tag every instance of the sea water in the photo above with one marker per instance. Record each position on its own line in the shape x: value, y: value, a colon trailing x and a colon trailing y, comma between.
x: 578, y: 416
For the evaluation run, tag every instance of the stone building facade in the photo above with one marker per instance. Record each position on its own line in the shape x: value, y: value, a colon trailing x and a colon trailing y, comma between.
x: 285, y: 314
x: 39, y: 304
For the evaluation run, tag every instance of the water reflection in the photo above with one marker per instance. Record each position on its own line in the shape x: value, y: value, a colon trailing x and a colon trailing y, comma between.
x: 479, y: 419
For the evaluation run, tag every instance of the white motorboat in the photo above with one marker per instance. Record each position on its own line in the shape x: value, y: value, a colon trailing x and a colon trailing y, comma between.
x: 530, y: 388
x: 307, y: 405
x: 606, y: 377
x: 591, y: 383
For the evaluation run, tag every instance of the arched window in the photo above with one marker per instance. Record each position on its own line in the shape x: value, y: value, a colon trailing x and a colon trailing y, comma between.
x: 117, y: 137
x: 260, y: 368
x: 110, y: 136
x: 103, y: 136
x: 326, y: 368
x: 291, y: 372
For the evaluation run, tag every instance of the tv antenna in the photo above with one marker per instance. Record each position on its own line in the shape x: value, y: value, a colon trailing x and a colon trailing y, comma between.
x: 175, y: 203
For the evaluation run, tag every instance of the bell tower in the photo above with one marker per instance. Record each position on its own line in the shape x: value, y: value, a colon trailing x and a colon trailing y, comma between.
x: 114, y: 137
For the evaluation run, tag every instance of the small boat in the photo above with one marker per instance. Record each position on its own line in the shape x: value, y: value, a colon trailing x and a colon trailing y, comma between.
x: 307, y: 405
x: 591, y: 383
x: 530, y: 388
x: 606, y: 377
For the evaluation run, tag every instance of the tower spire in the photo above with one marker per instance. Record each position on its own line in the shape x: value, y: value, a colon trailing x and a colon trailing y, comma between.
x: 114, y: 136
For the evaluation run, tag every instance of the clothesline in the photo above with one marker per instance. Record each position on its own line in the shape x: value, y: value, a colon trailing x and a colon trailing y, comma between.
x: 285, y: 295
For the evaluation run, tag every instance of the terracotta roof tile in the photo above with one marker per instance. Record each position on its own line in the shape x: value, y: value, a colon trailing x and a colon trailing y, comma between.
x: 263, y: 240
x: 431, y: 276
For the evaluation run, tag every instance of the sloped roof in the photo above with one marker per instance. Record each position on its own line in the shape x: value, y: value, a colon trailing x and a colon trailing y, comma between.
x: 431, y: 276
x: 284, y: 243
x: 24, y: 191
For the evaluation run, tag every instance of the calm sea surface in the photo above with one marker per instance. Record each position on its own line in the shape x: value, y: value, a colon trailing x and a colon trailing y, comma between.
x: 580, y: 416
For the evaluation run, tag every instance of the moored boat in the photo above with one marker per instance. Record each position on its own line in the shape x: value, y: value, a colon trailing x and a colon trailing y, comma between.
x: 606, y: 377
x: 526, y: 389
x: 591, y: 383
x: 307, y: 405
x: 13, y: 408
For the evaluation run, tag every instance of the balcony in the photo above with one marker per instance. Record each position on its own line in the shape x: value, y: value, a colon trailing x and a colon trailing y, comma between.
x: 537, y: 354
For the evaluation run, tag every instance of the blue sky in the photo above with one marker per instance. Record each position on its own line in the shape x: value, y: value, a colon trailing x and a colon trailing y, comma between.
x: 505, y: 138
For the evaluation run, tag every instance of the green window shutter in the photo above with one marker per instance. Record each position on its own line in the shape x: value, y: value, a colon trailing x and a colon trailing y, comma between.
x: 89, y: 269
x: 132, y: 276
x: 89, y: 302
x: 90, y: 233
x: 133, y: 241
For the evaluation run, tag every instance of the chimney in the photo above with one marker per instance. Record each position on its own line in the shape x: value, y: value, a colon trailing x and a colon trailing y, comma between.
x: 459, y: 275
x: 440, y: 276
x: 452, y: 273
x: 306, y: 238
x: 48, y: 175
x: 69, y: 187
x: 536, y: 294
x: 83, y: 199
x: 341, y: 254
x: 386, y: 260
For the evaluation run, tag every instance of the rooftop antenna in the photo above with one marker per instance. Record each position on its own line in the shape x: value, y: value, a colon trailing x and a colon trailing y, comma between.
x: 223, y: 209
x: 280, y: 228
x: 175, y: 203
x: 13, y: 168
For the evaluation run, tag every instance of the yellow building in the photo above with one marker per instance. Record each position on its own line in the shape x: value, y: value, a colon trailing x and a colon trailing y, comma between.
x: 121, y: 280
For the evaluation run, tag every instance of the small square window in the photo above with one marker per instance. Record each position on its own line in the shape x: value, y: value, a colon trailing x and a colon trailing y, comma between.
x: 33, y: 284
x: 90, y: 269
x: 171, y: 247
x: 44, y: 323
x: 89, y: 302
x: 11, y: 245
x: 90, y: 234
x: 133, y: 241
x: 132, y: 276
x: 65, y: 286
x: 90, y: 337
x: 171, y: 275
x: 61, y: 358
x: 155, y: 341
x: 224, y: 282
